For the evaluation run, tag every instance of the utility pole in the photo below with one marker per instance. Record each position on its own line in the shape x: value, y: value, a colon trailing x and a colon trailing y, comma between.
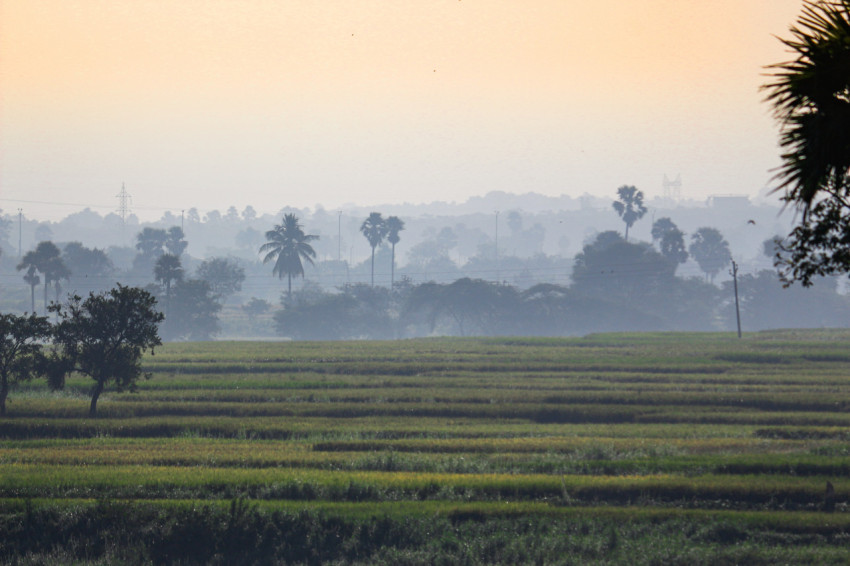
x: 339, y: 236
x: 734, y: 274
x: 20, y: 223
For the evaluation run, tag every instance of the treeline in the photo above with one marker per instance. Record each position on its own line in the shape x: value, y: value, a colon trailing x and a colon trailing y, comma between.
x: 617, y: 286
x: 613, y: 284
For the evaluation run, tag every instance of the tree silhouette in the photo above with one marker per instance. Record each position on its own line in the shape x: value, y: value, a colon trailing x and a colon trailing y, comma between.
x: 394, y: 226
x: 710, y: 250
x: 629, y: 206
x: 287, y: 245
x: 175, y: 242
x: 810, y: 98
x: 90, y: 267
x: 194, y: 311
x: 672, y: 246
x: 20, y: 350
x: 46, y: 259
x: 811, y: 101
x: 56, y: 271
x: 31, y: 276
x: 225, y: 276
x: 374, y: 228
x: 671, y: 240
x: 150, y: 243
x: 104, y: 337
x: 661, y: 227
x: 167, y: 270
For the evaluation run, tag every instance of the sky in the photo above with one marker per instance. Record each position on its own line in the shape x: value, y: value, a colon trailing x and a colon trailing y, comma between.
x: 272, y: 103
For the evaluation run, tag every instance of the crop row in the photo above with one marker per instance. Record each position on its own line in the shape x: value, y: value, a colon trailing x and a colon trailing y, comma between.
x: 151, y: 482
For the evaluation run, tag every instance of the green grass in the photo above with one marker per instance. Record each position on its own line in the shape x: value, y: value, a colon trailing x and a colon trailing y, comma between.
x: 725, y: 440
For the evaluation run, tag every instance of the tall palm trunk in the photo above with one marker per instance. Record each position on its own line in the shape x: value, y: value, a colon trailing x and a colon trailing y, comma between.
x: 392, y: 270
x: 373, y: 266
x: 289, y: 288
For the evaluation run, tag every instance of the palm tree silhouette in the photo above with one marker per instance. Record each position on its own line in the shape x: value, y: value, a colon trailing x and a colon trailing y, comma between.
x: 46, y: 259
x: 394, y: 226
x: 32, y: 279
x: 287, y: 245
x: 375, y: 229
x: 167, y: 269
x: 629, y: 206
x: 810, y: 98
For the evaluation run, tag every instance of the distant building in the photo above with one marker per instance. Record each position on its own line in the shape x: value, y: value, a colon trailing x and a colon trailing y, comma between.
x: 728, y: 201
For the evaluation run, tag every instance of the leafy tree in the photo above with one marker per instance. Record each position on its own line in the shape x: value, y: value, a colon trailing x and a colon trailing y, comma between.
x: 374, y: 228
x: 811, y: 99
x: 394, y: 226
x: 613, y: 269
x: 471, y: 305
x: 256, y: 307
x: 766, y: 304
x: 21, y: 354
x: 629, y: 206
x: 90, y: 267
x: 104, y: 337
x: 324, y: 317
x: 287, y: 245
x: 224, y: 276
x: 194, y: 312
x: 710, y: 250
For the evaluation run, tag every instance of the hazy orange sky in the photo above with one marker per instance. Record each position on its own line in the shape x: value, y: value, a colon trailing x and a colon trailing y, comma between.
x: 212, y: 103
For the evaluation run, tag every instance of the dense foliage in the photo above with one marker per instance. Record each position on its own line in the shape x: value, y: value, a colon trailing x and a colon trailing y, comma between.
x: 811, y: 98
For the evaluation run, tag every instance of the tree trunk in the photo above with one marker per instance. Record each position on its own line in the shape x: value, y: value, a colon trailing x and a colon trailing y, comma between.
x: 4, y: 392
x: 392, y: 271
x: 95, y: 393
x: 289, y: 288
x: 45, y: 294
x: 373, y: 266
x: 167, y: 298
x: 32, y: 297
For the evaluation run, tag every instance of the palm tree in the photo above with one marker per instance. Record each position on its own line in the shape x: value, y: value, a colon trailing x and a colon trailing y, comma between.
x: 46, y: 259
x: 375, y: 229
x: 394, y: 226
x: 167, y: 269
x: 32, y: 279
x: 287, y: 245
x: 51, y: 266
x: 811, y: 98
x: 629, y: 206
x: 711, y: 251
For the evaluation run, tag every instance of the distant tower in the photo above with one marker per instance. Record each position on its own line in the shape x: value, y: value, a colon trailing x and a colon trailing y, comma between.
x: 124, y: 200
x: 673, y: 189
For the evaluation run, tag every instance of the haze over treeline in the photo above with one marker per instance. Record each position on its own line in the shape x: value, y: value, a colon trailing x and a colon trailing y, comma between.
x: 498, y: 264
